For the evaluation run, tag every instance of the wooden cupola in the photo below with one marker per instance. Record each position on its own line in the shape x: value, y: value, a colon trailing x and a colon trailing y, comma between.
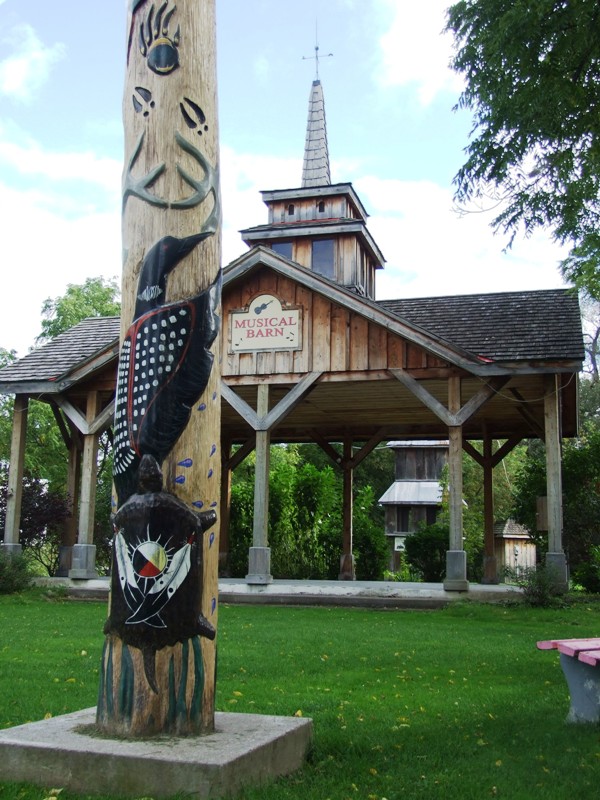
x: 322, y: 226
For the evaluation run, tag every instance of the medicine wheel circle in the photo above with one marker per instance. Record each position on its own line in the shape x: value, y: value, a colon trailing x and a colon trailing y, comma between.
x: 150, y: 560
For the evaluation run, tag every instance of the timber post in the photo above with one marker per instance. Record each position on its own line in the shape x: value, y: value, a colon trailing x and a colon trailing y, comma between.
x: 456, y: 557
x: 259, y: 556
x: 490, y: 566
x: 555, y: 557
x: 14, y: 495
x: 159, y: 660
x: 69, y: 535
x: 83, y: 554
x: 347, y: 571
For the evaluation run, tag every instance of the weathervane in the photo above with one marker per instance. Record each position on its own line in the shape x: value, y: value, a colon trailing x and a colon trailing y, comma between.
x: 316, y: 56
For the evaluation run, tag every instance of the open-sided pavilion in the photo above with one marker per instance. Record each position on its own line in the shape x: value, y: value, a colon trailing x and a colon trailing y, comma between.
x: 308, y: 354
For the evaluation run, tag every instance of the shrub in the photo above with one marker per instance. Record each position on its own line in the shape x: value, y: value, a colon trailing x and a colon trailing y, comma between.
x: 14, y: 573
x: 426, y: 551
x: 588, y: 573
x: 538, y: 584
x: 370, y: 544
x: 43, y: 512
x: 404, y: 574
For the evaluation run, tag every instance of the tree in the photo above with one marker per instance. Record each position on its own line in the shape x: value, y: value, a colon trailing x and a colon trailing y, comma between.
x: 45, y: 448
x: 45, y: 454
x: 42, y: 513
x: 581, y: 499
x: 95, y: 297
x: 426, y: 551
x: 532, y: 71
x: 305, y: 516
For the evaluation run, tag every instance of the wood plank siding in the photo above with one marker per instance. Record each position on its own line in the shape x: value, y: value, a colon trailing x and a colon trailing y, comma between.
x: 334, y: 339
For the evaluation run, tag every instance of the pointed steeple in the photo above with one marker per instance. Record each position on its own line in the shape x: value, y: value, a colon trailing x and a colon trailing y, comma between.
x: 315, y: 170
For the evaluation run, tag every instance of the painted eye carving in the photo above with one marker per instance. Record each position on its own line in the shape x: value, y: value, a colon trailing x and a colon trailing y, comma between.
x: 156, y: 44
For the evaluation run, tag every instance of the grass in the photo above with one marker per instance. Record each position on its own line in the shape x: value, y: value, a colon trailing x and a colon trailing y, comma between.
x: 447, y: 704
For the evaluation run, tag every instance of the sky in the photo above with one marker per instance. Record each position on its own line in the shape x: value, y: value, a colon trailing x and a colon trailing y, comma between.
x: 392, y: 132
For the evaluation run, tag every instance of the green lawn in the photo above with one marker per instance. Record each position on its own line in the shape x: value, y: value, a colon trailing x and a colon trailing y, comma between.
x: 445, y: 704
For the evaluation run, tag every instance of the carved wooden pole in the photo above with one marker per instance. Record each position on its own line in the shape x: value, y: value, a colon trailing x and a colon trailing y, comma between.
x: 159, y: 660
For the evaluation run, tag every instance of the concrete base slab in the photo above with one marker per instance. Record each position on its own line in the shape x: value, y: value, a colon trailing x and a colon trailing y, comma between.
x: 369, y: 594
x: 245, y: 749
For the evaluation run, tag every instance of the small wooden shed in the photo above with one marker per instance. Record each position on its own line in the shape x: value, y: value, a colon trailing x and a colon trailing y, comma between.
x: 515, y: 549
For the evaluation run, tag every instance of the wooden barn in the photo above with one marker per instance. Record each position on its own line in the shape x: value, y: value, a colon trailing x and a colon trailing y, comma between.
x: 309, y: 354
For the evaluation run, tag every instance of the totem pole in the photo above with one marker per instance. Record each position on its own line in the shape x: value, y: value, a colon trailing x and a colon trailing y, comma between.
x: 158, y: 665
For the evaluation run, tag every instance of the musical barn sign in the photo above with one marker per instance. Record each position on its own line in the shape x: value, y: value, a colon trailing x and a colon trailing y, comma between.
x: 266, y: 325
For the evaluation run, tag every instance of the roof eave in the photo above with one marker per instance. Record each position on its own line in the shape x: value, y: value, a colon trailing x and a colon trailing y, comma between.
x: 327, y: 190
x: 251, y: 236
x: 66, y: 380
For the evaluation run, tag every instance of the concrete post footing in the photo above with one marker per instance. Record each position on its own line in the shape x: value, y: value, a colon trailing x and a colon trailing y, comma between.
x: 556, y: 564
x: 456, y: 571
x: 259, y: 566
x: 9, y: 549
x: 244, y: 749
x: 83, y: 562
x: 347, y: 567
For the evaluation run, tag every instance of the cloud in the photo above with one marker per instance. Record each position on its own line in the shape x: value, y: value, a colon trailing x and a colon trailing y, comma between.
x: 24, y: 154
x: 431, y: 251
x: 414, y: 50
x: 42, y: 252
x: 55, y: 229
x: 243, y: 177
x: 27, y: 69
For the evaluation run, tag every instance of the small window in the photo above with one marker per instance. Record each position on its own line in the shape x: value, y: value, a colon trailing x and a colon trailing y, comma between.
x: 322, y: 257
x: 432, y: 513
x: 321, y: 207
x: 283, y: 249
x: 403, y: 519
x: 291, y: 210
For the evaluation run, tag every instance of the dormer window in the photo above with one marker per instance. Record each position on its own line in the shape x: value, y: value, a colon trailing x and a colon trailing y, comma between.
x: 291, y: 210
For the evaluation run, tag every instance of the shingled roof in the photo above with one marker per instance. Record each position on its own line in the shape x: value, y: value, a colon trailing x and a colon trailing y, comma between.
x: 72, y: 349
x: 509, y: 326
